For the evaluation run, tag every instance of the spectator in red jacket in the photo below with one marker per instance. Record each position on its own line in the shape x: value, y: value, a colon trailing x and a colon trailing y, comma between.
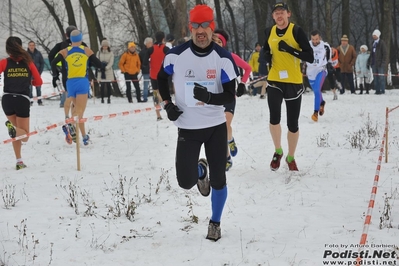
x: 156, y: 54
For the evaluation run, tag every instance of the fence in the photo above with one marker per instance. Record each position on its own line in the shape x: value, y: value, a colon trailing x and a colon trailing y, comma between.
x: 384, y: 144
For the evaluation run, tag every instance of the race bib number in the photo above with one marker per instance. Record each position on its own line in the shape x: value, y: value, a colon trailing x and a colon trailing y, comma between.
x: 283, y: 74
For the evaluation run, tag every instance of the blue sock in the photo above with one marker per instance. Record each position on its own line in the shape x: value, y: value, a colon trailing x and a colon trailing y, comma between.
x: 218, y: 199
x: 200, y: 171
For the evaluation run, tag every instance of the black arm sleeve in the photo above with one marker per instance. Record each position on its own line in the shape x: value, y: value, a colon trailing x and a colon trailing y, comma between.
x: 163, y: 85
x: 53, y: 52
x: 328, y: 52
x: 227, y: 96
x: 266, y: 48
x: 54, y: 62
x: 95, y: 61
x: 307, y: 52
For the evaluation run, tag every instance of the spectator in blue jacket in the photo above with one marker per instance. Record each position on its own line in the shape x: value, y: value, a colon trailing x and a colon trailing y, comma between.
x: 38, y: 60
x: 362, y: 70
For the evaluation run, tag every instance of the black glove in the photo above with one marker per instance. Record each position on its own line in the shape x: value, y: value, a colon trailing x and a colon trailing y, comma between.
x: 283, y: 46
x: 268, y: 57
x: 241, y: 90
x: 173, y: 111
x: 55, y: 79
x: 201, y: 93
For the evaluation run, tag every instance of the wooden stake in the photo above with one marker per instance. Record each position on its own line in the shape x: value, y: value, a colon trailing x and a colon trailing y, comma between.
x: 77, y: 143
x: 386, y: 135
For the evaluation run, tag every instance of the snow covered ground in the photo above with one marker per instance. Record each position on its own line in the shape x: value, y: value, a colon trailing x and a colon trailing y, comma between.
x: 67, y: 217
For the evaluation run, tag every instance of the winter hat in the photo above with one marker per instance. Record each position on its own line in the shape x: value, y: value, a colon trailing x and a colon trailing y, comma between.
x: 223, y: 36
x: 76, y: 36
x: 377, y: 33
x: 364, y: 47
x: 69, y: 29
x: 131, y: 44
x: 170, y: 37
x: 344, y: 38
x: 202, y: 13
x: 280, y: 5
x: 105, y: 43
x: 223, y: 39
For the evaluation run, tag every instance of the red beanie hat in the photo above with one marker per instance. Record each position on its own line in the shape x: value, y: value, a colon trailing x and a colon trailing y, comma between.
x: 202, y: 13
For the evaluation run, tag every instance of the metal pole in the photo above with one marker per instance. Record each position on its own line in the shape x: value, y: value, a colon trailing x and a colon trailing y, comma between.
x: 9, y: 16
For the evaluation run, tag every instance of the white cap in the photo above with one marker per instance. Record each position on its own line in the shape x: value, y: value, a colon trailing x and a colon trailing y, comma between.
x: 377, y: 33
x: 364, y: 47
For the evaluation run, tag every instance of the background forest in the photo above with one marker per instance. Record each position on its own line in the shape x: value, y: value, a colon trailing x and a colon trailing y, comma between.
x: 121, y: 21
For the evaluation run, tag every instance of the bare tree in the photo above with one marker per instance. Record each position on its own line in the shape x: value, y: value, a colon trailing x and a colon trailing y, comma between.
x: 236, y: 48
x: 153, y: 24
x: 169, y: 11
x: 181, y: 26
x: 55, y: 16
x: 328, y: 31
x: 70, y: 13
x: 219, y: 19
x: 97, y: 21
x: 91, y: 24
x: 386, y: 24
x: 394, y: 40
x: 261, y: 12
x: 137, y: 12
x: 297, y: 14
x: 346, y: 29
x: 309, y: 26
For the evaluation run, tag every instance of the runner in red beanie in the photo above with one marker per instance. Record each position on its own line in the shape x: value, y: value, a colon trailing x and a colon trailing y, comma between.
x: 202, y: 13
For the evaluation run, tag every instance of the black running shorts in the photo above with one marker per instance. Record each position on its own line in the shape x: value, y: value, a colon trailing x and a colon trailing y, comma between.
x: 16, y: 104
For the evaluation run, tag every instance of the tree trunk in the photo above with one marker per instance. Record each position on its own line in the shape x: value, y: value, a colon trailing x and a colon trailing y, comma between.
x: 328, y: 36
x: 394, y: 40
x: 386, y: 26
x: 235, y: 36
x: 169, y: 12
x: 56, y: 18
x: 91, y: 24
x: 296, y: 14
x: 346, y: 29
x: 181, y: 25
x: 154, y: 26
x: 70, y: 13
x: 137, y: 14
x: 219, y: 18
x: 309, y: 14
x: 91, y: 27
x: 97, y: 21
x: 261, y: 11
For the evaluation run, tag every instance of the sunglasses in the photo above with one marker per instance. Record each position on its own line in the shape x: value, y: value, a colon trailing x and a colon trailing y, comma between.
x: 204, y: 25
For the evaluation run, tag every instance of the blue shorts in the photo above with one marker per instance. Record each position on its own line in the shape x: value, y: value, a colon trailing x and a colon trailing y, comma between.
x: 77, y: 86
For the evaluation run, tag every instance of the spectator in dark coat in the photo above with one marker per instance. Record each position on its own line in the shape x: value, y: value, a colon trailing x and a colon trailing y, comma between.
x: 378, y: 61
x: 38, y: 60
x: 145, y: 66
